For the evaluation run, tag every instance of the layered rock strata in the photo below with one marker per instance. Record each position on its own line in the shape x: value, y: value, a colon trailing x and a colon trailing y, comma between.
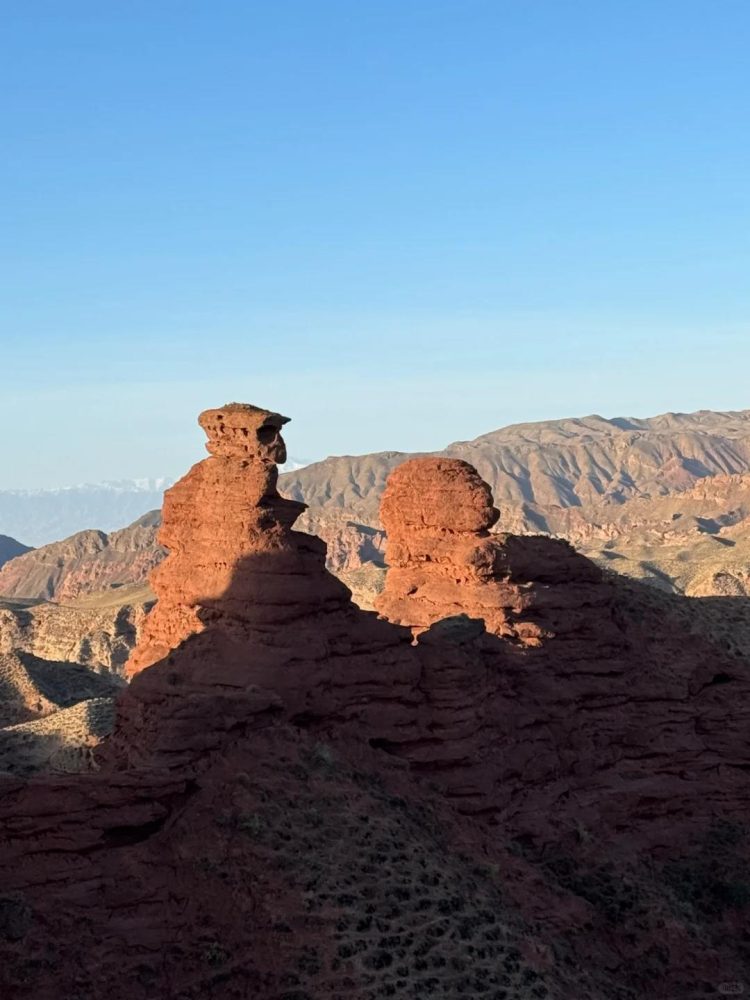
x: 99, y: 638
x: 85, y: 563
x: 247, y: 616
x: 515, y: 721
x: 307, y: 801
x: 442, y: 560
x: 233, y: 561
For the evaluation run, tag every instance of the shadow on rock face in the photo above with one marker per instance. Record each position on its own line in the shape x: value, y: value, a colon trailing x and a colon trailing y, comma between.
x: 303, y: 800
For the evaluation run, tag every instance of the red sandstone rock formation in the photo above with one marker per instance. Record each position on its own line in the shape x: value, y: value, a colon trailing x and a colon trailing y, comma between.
x: 248, y: 617
x: 250, y: 621
x: 231, y: 553
x: 247, y: 836
x: 611, y: 690
x: 442, y: 560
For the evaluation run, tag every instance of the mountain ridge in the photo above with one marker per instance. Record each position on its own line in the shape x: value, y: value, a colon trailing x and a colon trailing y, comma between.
x: 558, y: 463
x: 613, y: 487
x: 10, y: 548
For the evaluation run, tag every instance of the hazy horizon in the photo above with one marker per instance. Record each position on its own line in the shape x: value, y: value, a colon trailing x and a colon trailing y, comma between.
x: 161, y: 481
x: 400, y: 225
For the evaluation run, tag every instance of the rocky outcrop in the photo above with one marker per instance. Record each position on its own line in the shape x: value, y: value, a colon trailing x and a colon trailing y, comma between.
x: 249, y: 622
x: 62, y: 741
x: 443, y: 561
x: 59, y: 670
x: 239, y: 579
x: 307, y: 802
x: 53, y: 708
x: 232, y: 558
x: 88, y: 562
x: 98, y: 638
x: 288, y: 869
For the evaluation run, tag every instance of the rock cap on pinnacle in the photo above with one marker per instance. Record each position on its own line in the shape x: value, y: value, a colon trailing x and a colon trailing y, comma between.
x: 241, y: 430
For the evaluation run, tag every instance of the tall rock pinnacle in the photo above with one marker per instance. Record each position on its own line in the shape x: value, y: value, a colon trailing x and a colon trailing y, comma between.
x: 232, y: 554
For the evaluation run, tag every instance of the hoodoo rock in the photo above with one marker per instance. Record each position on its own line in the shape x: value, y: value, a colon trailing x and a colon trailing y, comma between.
x: 226, y: 510
x: 527, y: 783
x: 443, y: 561
x: 248, y: 617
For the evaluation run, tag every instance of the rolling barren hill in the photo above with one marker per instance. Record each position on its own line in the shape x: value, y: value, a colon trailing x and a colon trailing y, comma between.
x: 87, y: 562
x: 536, y: 469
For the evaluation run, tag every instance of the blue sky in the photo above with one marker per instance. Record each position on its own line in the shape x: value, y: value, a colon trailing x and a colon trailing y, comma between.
x: 400, y: 223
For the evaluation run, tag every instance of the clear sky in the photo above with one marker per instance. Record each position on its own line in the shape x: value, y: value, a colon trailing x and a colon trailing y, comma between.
x: 401, y: 222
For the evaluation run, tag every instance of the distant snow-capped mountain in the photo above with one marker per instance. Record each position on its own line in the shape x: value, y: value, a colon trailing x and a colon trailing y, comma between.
x: 155, y: 485
x: 38, y: 516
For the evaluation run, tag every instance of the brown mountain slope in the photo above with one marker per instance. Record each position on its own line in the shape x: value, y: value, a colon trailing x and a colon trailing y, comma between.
x: 696, y: 542
x: 87, y: 562
x: 559, y: 463
x: 702, y: 565
x: 10, y: 548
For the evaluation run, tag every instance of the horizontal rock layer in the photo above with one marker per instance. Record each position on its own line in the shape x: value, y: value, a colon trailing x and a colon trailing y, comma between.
x: 311, y: 801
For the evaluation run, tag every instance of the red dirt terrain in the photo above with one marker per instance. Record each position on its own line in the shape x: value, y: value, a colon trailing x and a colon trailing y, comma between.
x: 529, y: 783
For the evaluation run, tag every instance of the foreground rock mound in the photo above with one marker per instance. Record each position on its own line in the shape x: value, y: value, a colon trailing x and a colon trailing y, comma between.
x: 308, y: 801
x: 59, y: 673
x: 33, y: 688
x: 52, y: 714
x: 63, y: 741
